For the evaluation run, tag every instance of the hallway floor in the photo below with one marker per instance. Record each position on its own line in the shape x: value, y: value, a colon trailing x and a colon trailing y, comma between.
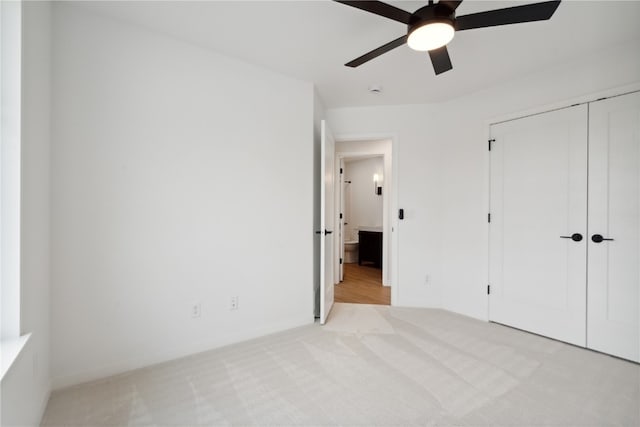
x: 362, y: 284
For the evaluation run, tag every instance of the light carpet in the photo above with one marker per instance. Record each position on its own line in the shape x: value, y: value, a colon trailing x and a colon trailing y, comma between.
x: 370, y: 366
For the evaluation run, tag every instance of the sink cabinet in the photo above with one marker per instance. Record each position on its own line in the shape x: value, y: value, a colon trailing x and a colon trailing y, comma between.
x: 370, y: 248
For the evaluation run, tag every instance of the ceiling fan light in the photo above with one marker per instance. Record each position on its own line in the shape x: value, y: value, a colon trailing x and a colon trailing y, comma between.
x: 430, y: 36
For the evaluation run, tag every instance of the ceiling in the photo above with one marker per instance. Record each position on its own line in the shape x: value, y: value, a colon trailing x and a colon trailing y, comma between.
x: 311, y: 40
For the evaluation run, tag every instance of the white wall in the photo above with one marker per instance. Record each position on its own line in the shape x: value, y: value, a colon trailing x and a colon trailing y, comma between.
x: 25, y: 388
x: 176, y: 173
x: 362, y: 206
x: 443, y: 168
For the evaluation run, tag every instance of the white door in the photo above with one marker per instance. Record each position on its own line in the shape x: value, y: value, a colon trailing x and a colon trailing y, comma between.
x: 613, y: 322
x: 538, y: 201
x: 327, y: 168
x: 342, y: 188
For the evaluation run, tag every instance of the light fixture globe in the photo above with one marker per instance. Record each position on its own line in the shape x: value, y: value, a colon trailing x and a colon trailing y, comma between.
x: 431, y: 35
x: 431, y: 27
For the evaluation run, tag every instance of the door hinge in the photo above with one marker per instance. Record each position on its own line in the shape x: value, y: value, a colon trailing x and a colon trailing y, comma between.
x: 490, y: 143
x: 340, y: 260
x: 340, y: 170
x: 488, y: 217
x: 340, y: 215
x: 488, y: 289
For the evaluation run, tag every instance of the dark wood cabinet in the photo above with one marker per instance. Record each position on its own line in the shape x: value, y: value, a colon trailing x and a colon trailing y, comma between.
x: 370, y: 248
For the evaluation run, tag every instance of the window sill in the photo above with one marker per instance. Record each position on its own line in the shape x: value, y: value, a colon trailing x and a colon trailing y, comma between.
x: 9, y: 351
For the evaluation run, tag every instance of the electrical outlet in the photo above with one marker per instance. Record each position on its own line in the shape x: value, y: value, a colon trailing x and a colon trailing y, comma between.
x: 196, y: 310
x: 234, y: 303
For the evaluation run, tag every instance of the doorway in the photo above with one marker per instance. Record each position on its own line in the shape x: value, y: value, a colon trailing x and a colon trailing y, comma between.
x: 363, y: 190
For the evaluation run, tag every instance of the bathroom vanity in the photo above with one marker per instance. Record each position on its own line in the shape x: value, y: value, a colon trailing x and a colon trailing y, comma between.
x: 370, y: 242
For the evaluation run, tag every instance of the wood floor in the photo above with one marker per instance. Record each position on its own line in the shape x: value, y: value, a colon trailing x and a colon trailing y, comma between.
x: 362, y: 284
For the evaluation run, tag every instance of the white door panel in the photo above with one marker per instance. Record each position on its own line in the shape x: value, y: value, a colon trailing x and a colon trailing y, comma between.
x: 341, y: 220
x: 614, y: 212
x: 538, y: 193
x: 327, y: 168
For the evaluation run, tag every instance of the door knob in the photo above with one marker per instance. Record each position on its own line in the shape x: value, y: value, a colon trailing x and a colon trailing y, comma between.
x: 576, y: 237
x: 597, y: 238
x: 325, y: 232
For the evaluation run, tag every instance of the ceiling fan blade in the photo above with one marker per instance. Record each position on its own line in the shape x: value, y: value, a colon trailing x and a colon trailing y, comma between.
x: 440, y: 60
x: 509, y: 15
x: 380, y: 8
x: 377, y: 52
x: 453, y: 4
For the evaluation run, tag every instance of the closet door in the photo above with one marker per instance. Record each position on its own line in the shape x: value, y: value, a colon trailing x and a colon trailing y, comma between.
x: 613, y: 321
x: 538, y: 201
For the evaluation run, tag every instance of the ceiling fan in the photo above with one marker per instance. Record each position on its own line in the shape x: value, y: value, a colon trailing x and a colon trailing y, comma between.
x: 431, y: 27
